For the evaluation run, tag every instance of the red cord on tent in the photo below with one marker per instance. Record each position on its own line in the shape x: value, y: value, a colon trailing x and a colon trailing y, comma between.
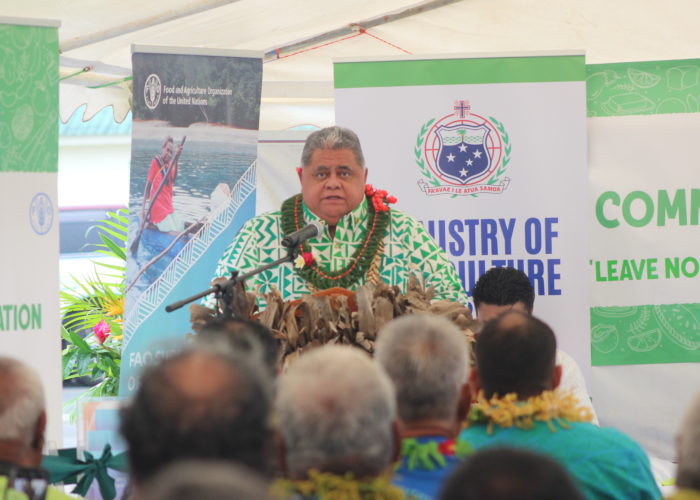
x: 316, y: 47
x: 361, y: 31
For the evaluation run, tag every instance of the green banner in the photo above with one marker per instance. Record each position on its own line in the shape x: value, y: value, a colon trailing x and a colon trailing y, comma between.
x: 643, y: 88
x: 28, y: 99
x: 458, y: 71
x: 646, y: 334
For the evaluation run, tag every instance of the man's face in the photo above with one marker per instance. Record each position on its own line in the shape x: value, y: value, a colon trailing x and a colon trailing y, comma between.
x: 486, y: 312
x: 332, y: 184
x: 167, y: 152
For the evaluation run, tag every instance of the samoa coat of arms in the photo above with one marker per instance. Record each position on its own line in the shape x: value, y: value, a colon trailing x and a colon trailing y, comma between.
x: 462, y: 153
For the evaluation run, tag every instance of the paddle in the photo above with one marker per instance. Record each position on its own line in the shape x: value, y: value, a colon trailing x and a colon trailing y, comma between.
x: 135, y: 244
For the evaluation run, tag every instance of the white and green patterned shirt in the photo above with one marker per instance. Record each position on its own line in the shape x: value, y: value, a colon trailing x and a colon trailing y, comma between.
x: 408, y: 248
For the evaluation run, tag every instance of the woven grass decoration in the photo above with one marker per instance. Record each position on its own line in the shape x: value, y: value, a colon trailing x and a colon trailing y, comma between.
x: 339, y: 316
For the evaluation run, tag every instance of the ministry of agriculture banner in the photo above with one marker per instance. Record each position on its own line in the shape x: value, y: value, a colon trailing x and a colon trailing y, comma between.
x: 490, y: 154
x: 29, y: 319
x: 195, y: 127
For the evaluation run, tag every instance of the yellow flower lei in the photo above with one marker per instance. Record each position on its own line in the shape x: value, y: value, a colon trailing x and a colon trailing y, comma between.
x: 327, y: 486
x: 549, y: 407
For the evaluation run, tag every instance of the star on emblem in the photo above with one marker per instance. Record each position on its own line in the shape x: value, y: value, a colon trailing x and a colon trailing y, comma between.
x: 450, y: 157
x: 477, y: 154
x: 463, y: 172
x: 462, y: 148
x: 470, y: 162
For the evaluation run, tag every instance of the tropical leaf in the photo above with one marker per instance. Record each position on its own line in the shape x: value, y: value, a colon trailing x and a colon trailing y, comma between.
x: 94, y: 298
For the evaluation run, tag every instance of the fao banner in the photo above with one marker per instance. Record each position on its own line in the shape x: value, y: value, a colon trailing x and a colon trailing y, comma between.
x: 194, y: 144
x: 490, y: 153
x: 30, y: 328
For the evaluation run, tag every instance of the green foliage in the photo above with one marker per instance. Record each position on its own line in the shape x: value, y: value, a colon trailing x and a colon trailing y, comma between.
x: 92, y: 314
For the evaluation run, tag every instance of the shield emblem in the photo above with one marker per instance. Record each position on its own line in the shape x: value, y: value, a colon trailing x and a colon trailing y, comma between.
x: 463, y: 155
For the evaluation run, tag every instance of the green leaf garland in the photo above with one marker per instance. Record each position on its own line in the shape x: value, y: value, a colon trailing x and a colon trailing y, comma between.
x: 292, y: 218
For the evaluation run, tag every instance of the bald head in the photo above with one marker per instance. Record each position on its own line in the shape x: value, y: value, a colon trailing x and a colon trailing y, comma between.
x: 201, y: 403
x: 22, y: 416
x: 516, y: 353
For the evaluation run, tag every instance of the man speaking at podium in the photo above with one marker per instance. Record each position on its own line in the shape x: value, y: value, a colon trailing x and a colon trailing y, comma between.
x: 361, y: 239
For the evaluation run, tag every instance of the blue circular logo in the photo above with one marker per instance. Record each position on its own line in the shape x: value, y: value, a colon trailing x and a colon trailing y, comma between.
x: 41, y: 213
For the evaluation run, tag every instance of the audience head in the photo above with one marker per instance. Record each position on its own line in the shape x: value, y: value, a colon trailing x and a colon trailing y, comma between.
x: 688, y: 475
x: 427, y: 359
x: 510, y: 474
x: 516, y: 353
x: 336, y: 410
x: 202, y: 403
x: 205, y: 480
x: 245, y: 337
x: 500, y: 289
x: 22, y: 414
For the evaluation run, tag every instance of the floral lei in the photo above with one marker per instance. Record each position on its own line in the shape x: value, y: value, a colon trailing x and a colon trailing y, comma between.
x: 549, y: 407
x: 327, y: 486
x: 431, y: 455
x: 292, y: 219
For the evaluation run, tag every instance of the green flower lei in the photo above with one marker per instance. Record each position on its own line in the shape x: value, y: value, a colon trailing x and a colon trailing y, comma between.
x: 327, y: 486
x: 431, y: 455
x: 292, y: 219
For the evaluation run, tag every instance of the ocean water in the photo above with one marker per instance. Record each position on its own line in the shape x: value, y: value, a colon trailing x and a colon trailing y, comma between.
x: 201, y: 167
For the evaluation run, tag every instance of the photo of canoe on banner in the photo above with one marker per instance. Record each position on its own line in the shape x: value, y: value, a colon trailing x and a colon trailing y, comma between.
x: 193, y: 152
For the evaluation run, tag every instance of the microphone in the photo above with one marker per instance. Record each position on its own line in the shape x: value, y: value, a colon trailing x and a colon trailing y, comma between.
x: 309, y: 231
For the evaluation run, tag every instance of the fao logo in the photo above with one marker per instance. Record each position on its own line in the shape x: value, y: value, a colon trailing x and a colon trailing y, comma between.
x: 462, y: 154
x: 152, y: 91
x: 41, y: 213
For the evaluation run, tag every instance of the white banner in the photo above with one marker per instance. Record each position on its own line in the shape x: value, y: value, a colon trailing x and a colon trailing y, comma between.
x: 29, y: 318
x: 645, y: 208
x: 490, y: 153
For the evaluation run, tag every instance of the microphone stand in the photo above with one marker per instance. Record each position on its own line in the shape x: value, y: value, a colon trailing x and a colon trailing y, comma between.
x: 226, y: 291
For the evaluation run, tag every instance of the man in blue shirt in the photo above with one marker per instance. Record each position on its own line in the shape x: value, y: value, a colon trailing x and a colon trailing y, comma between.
x: 427, y: 358
x: 519, y: 406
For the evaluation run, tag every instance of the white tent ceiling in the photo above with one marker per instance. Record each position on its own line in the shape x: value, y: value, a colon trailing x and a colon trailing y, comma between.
x: 309, y: 34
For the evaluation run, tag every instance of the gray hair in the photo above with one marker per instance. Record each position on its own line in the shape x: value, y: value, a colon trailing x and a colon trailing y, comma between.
x: 206, y: 480
x: 332, y: 138
x: 21, y: 400
x: 427, y: 358
x: 688, y: 475
x: 335, y: 408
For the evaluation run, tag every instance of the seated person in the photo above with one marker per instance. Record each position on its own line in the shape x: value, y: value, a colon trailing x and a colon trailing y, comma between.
x: 688, y: 443
x: 510, y: 474
x: 22, y: 429
x: 206, y: 480
x: 363, y: 240
x: 204, y: 402
x: 516, y: 370
x: 504, y: 288
x: 336, y: 411
x: 427, y: 359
